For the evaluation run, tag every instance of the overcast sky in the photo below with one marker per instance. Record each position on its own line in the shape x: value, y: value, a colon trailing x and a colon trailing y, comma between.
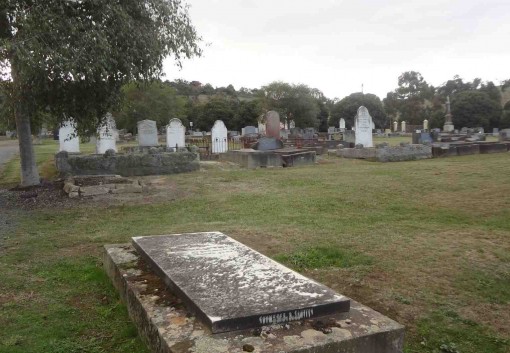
x: 336, y: 46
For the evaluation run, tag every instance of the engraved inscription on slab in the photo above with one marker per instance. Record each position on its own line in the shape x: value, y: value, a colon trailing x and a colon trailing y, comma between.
x: 230, y: 286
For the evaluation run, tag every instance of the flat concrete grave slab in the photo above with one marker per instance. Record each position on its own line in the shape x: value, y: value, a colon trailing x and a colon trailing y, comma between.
x: 231, y: 286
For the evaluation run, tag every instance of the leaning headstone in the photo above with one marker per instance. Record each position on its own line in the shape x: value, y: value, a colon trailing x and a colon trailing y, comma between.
x: 219, y: 138
x: 341, y: 124
x: 106, y: 139
x: 403, y: 126
x: 69, y: 140
x: 147, y: 133
x: 175, y: 132
x: 363, y: 123
x: 273, y: 124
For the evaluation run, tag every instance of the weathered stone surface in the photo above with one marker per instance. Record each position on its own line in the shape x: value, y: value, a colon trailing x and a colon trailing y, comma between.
x: 147, y: 133
x: 231, y: 286
x: 406, y: 152
x: 70, y: 187
x: 135, y: 164
x: 363, y: 125
x: 273, y: 124
x: 268, y: 144
x: 127, y: 188
x: 467, y: 149
x: 249, y: 158
x: 167, y: 327
x: 357, y: 153
x: 94, y: 190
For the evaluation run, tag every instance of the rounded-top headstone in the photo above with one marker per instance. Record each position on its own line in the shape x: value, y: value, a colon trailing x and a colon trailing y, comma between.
x: 273, y: 124
x: 219, y: 137
x: 175, y: 134
x: 363, y: 124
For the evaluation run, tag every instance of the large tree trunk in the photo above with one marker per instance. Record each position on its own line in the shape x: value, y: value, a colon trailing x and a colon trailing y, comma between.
x: 29, y: 172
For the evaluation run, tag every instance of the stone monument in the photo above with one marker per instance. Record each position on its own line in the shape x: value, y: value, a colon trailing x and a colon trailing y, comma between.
x: 448, y: 124
x: 425, y: 125
x: 175, y: 132
x: 68, y: 138
x: 106, y: 139
x: 219, y: 137
x: 341, y: 124
x: 403, y: 126
x: 273, y: 124
x: 363, y: 123
x: 147, y: 133
x: 395, y: 126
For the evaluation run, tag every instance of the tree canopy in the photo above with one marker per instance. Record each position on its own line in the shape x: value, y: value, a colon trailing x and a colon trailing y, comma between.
x: 70, y: 58
x: 474, y: 109
x: 347, y: 108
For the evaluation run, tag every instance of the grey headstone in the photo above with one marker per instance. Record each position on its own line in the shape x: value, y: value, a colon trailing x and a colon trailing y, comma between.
x: 147, y: 133
x: 268, y: 144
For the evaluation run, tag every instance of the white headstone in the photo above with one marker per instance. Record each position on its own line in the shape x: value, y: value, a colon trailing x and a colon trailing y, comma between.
x: 403, y: 126
x: 395, y: 126
x: 341, y: 124
x: 68, y: 139
x: 175, y: 132
x: 147, y: 133
x: 292, y: 125
x: 425, y: 124
x: 106, y: 136
x: 219, y: 137
x: 262, y: 128
x: 363, y: 123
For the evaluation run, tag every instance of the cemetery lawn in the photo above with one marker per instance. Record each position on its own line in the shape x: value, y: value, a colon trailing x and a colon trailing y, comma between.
x: 427, y: 243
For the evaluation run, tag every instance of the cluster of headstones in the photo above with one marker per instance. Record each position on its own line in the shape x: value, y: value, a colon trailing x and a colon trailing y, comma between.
x: 147, y: 136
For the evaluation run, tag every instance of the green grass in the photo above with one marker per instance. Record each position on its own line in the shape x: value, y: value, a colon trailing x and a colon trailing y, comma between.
x: 322, y: 257
x: 423, y: 242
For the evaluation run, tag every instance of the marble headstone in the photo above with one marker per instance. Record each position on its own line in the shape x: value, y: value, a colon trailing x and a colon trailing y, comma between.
x: 106, y: 136
x: 219, y: 137
x: 273, y: 124
x: 68, y: 139
x: 395, y: 126
x: 147, y: 133
x: 175, y: 132
x: 363, y: 123
x: 425, y: 124
x: 403, y: 126
x: 342, y: 124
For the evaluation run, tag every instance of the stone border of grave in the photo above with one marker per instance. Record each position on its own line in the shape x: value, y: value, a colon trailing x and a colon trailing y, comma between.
x: 94, y: 185
x: 385, y: 153
x: 167, y: 326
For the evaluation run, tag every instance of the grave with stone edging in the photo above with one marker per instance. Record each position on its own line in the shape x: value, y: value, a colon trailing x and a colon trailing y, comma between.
x: 268, y: 308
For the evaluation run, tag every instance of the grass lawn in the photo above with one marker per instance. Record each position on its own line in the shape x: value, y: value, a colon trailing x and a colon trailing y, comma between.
x: 425, y: 242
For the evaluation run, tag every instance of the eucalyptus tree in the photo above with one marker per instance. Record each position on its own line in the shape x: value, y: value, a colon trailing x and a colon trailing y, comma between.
x: 70, y: 58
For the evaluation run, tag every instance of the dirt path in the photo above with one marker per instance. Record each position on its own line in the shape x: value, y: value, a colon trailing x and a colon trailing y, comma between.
x: 8, y: 149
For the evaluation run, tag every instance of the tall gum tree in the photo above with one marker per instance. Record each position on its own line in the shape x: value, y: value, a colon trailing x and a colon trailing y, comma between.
x: 70, y: 58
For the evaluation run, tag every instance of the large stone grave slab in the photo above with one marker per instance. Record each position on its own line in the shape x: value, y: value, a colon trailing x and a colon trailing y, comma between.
x: 231, y: 286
